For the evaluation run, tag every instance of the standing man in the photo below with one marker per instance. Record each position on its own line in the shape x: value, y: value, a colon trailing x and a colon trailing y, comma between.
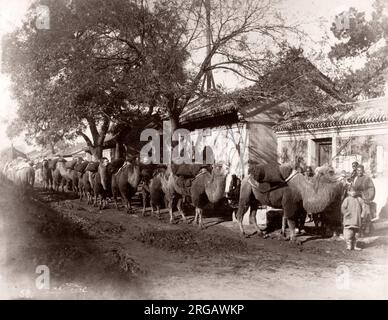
x: 354, y: 172
x: 365, y: 191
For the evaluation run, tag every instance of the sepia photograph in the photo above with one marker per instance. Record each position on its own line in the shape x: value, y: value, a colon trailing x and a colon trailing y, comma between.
x: 167, y: 150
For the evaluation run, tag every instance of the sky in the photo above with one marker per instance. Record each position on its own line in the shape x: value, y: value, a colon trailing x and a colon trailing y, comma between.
x: 313, y: 16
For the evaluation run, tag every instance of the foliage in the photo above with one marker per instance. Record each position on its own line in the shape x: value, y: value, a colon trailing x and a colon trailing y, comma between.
x: 362, y: 39
x: 106, y: 65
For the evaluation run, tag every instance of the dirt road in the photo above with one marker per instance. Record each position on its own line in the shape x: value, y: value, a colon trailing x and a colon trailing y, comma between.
x: 112, y: 255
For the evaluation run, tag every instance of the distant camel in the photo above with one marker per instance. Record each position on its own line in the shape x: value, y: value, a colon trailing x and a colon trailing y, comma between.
x: 205, y: 187
x: 125, y: 182
x: 47, y: 175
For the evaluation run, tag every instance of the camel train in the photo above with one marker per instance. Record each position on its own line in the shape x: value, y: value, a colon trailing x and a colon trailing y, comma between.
x: 280, y: 187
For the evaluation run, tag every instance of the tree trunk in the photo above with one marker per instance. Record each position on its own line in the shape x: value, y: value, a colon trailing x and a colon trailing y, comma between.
x: 52, y: 149
x: 174, y: 123
x: 96, y: 153
x: 118, y: 150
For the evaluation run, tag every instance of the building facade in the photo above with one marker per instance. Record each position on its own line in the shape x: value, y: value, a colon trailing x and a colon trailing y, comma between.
x: 355, y: 132
x: 358, y: 132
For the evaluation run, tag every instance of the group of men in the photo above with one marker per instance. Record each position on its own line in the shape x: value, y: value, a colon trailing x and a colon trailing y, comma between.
x: 358, y: 208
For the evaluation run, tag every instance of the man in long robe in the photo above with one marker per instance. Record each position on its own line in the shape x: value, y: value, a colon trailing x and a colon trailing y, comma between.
x: 365, y: 189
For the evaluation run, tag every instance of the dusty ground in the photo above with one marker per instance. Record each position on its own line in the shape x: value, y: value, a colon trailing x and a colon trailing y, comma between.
x: 112, y: 255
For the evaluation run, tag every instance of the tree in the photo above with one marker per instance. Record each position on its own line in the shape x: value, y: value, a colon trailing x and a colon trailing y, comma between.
x: 95, y: 65
x: 363, y: 39
x: 241, y: 37
x: 122, y: 61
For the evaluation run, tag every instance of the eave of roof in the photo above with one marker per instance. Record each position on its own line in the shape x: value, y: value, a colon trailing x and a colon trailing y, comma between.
x: 364, y: 112
x: 205, y: 108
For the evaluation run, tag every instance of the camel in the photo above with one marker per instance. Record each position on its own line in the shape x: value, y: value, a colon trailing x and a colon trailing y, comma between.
x: 69, y: 176
x: 101, y: 184
x: 296, y: 196
x: 21, y: 172
x: 156, y: 187
x: 47, y: 176
x: 86, y: 186
x: 125, y: 181
x: 61, y: 175
x: 205, y: 187
x: 38, y: 173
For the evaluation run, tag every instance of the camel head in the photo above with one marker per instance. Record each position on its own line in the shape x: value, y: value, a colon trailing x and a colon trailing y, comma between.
x: 220, y: 169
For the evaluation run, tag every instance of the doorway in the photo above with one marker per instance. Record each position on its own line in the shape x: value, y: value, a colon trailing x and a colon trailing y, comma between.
x: 323, y: 151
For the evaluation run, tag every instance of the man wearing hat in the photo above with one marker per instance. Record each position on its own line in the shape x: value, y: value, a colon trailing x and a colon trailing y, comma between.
x: 354, y: 172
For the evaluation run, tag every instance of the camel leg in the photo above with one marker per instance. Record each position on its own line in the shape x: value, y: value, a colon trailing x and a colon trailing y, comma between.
x: 252, y: 216
x: 105, y: 203
x: 246, y: 201
x: 195, y: 221
x: 239, y: 216
x: 116, y: 203
x: 129, y: 207
x: 200, y: 222
x: 179, y: 206
x: 95, y: 203
x: 291, y: 226
x: 100, y: 202
x: 283, y: 231
x: 114, y: 193
x: 170, y: 204
x: 152, y: 209
x: 144, y: 198
x: 158, y: 211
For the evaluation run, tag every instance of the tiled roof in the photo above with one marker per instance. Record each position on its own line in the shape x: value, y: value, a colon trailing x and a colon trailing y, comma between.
x: 363, y: 112
x: 205, y: 108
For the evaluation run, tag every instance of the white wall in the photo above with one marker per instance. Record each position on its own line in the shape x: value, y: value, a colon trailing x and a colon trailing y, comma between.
x: 229, y: 144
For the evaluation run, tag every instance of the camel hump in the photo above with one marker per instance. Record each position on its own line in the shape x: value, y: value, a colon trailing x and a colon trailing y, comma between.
x: 71, y: 164
x: 268, y: 173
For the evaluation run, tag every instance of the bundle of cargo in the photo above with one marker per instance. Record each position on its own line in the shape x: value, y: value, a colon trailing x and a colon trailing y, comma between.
x: 269, y: 172
x: 116, y: 164
x: 187, y: 170
x: 71, y: 164
x: 81, y: 167
x: 92, y: 166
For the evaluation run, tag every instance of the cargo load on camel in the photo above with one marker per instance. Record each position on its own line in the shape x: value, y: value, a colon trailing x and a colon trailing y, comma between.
x: 81, y: 167
x: 71, y: 164
x: 92, y: 166
x: 270, y: 176
x: 187, y: 170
